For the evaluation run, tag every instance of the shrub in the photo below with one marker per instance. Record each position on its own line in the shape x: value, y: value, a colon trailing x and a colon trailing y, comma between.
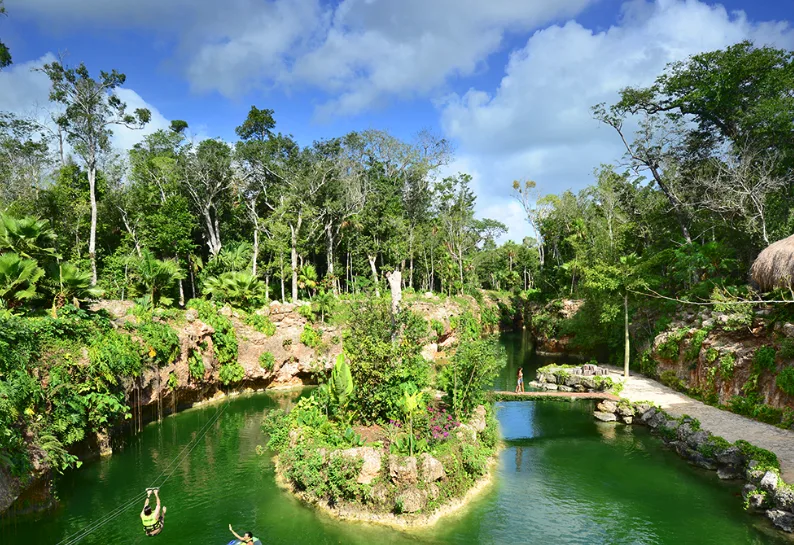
x: 711, y: 355
x: 671, y: 347
x: 714, y: 445
x: 766, y: 459
x: 786, y: 351
x: 470, y: 372
x: 261, y: 323
x: 267, y: 361
x: 727, y: 363
x: 764, y: 359
x: 695, y: 345
x: 160, y: 338
x: 310, y: 337
x: 785, y: 380
x: 231, y: 373
x: 196, y: 365
x: 224, y: 338
x: 438, y: 327
x: 670, y: 378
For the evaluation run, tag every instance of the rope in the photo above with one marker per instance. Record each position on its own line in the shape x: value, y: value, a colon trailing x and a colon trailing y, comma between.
x: 79, y: 535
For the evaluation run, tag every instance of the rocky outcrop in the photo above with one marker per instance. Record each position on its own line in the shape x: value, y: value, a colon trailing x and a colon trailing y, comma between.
x: 567, y: 378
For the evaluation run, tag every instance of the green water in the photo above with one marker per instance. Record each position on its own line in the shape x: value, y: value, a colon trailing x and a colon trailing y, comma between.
x: 563, y: 479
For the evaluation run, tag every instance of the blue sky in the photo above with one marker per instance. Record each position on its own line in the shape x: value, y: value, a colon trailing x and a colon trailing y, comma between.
x: 510, y: 82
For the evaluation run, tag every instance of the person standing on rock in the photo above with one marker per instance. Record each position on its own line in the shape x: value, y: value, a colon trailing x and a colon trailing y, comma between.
x: 520, y: 385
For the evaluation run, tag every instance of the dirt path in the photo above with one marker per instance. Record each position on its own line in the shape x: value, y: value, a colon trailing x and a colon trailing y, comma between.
x: 723, y: 423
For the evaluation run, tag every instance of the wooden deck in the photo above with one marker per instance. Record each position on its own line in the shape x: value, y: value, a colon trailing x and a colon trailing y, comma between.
x: 566, y: 396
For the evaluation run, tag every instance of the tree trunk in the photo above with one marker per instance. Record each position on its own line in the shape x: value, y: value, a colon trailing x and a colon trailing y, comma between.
x: 281, y: 265
x: 330, y: 255
x: 256, y: 246
x: 372, y: 259
x: 192, y: 276
x: 181, y: 294
x: 92, y: 235
x: 267, y: 287
x: 626, y: 335
x: 294, y: 263
x: 679, y: 214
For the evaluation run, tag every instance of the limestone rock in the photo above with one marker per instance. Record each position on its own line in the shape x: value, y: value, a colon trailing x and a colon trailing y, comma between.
x: 607, y: 406
x: 549, y: 386
x: 430, y: 351
x: 433, y: 491
x: 648, y: 415
x: 478, y: 419
x: 191, y: 315
x: 372, y: 462
x: 605, y: 417
x: 729, y: 473
x: 627, y: 419
x: 769, y: 481
x: 781, y: 519
x: 755, y: 501
x: 226, y: 311
x: 380, y: 494
x: 431, y: 469
x: 588, y: 383
x: 788, y: 329
x: 410, y: 500
x: 642, y: 408
x: 731, y: 457
x: 402, y: 470
x: 753, y: 474
x: 625, y: 410
x: 698, y: 439
x: 783, y: 498
x: 563, y: 388
x: 747, y: 489
x: 466, y: 433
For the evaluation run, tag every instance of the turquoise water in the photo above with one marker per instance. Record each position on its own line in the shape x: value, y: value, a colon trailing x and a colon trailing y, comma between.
x: 562, y: 479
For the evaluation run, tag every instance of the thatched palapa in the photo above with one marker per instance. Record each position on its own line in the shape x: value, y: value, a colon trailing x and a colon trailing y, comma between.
x: 774, y: 267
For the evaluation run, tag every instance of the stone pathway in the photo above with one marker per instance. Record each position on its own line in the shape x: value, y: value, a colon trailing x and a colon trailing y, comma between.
x: 723, y: 423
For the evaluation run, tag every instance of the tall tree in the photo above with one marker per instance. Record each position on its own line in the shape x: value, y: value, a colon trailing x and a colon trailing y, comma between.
x: 91, y: 109
x: 5, y: 54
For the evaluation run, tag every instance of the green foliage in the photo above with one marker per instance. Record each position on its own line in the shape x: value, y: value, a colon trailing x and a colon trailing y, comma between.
x: 155, y: 277
x: 196, y: 366
x: 307, y: 312
x: 310, y: 337
x: 670, y: 348
x: 239, y: 289
x: 767, y: 460
x: 224, y: 338
x: 231, y: 373
x: 18, y: 279
x: 267, y: 361
x: 786, y: 350
x: 341, y: 383
x: 727, y: 363
x: 261, y: 323
x: 764, y: 360
x: 696, y: 343
x: 384, y: 360
x: 711, y: 355
x: 713, y: 446
x: 173, y: 381
x: 785, y: 380
x: 161, y: 339
x: 670, y: 378
x: 438, y: 327
x: 752, y: 406
x: 469, y: 373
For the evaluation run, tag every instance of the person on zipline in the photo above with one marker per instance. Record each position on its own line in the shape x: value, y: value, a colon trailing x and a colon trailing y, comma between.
x: 153, y: 520
x: 247, y: 538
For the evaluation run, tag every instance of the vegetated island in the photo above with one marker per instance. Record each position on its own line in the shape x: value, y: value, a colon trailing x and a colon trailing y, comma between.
x: 390, y: 439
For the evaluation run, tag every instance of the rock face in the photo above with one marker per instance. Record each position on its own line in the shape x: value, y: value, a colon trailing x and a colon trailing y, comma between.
x: 372, y: 462
x: 410, y: 500
x: 781, y: 519
x: 432, y: 469
x: 587, y: 378
x: 605, y: 417
x: 478, y: 419
x: 403, y: 470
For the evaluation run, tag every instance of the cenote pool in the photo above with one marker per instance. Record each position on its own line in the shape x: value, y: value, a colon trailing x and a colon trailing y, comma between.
x: 562, y: 479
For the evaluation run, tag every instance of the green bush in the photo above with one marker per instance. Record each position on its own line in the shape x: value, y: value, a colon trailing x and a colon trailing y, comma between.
x: 785, y: 380
x: 764, y: 359
x: 671, y: 347
x: 385, y: 360
x: 765, y: 458
x: 470, y: 372
x: 196, y: 365
x: 224, y: 338
x: 162, y: 339
x: 438, y: 327
x: 695, y: 344
x: 310, y: 337
x: 786, y: 350
x: 231, y: 373
x: 670, y: 378
x: 261, y: 323
x: 267, y: 361
x: 727, y: 363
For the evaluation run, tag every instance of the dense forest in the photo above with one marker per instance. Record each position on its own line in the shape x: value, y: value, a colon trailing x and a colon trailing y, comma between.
x: 705, y: 184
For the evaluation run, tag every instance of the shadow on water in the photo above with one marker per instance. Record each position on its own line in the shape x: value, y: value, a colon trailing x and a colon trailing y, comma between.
x: 562, y: 479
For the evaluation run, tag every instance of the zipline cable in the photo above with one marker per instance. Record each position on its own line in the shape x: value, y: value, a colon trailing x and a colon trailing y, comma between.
x: 77, y: 536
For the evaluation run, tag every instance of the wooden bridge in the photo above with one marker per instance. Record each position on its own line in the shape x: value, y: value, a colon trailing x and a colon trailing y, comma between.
x: 561, y: 396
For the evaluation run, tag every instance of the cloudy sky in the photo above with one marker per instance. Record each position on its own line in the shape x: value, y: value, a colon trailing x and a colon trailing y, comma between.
x: 509, y: 82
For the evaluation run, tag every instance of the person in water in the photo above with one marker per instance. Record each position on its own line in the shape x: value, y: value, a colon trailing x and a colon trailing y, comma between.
x: 153, y: 520
x: 520, y: 385
x: 247, y: 538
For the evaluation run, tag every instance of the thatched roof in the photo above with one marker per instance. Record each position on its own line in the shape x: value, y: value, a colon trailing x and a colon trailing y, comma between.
x: 774, y: 267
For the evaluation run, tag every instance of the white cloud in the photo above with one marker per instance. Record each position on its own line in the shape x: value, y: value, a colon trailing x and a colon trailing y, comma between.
x: 538, y: 124
x: 361, y: 52
x: 25, y: 92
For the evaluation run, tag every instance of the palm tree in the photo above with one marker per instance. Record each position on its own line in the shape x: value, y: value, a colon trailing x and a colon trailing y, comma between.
x: 157, y: 275
x: 325, y: 303
x: 240, y: 289
x: 307, y: 278
x: 18, y: 278
x: 73, y: 284
x: 29, y: 237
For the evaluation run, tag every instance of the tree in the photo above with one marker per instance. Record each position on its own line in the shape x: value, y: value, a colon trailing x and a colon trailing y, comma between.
x: 240, y: 289
x: 91, y: 109
x: 156, y: 276
x: 536, y: 210
x: 25, y: 160
x: 207, y: 176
